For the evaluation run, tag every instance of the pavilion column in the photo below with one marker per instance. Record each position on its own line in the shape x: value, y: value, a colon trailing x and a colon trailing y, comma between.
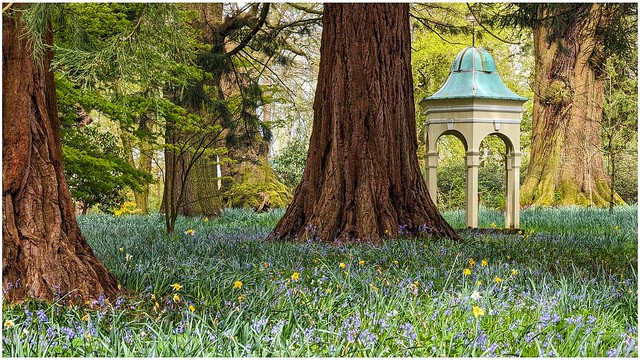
x: 508, y: 213
x: 514, y: 183
x: 431, y: 162
x: 473, y: 163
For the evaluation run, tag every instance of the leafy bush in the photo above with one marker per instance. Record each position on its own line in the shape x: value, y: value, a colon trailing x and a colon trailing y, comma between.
x: 289, y: 163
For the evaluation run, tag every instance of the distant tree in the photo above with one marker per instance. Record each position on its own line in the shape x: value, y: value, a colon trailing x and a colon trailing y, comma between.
x: 127, y: 54
x: 572, y: 43
x: 95, y: 166
x: 362, y: 181
x: 620, y: 115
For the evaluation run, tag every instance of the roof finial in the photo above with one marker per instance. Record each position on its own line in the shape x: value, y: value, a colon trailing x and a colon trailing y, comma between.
x: 472, y: 20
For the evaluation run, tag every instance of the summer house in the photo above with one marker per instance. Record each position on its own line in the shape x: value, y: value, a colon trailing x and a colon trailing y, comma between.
x: 472, y: 104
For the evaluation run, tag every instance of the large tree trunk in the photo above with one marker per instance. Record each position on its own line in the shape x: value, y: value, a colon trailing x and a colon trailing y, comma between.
x: 43, y: 252
x: 362, y: 181
x: 566, y: 165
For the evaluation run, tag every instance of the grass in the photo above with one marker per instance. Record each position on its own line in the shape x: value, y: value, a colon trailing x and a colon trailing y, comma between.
x: 567, y: 287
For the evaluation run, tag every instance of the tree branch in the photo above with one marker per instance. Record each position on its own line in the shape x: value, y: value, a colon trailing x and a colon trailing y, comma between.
x: 487, y: 30
x: 254, y: 31
x: 307, y: 10
x: 6, y: 8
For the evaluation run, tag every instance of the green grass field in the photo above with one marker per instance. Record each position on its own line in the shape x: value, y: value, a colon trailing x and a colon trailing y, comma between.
x: 565, y: 287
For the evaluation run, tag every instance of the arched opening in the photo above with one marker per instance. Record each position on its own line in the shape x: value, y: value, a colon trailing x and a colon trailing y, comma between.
x: 493, y: 180
x: 451, y: 171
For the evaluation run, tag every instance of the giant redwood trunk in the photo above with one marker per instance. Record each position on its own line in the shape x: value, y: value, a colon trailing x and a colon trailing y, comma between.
x: 566, y: 166
x: 43, y: 252
x: 361, y: 180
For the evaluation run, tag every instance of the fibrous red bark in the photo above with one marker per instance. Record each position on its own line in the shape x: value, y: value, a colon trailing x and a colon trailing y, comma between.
x: 361, y: 180
x: 43, y: 252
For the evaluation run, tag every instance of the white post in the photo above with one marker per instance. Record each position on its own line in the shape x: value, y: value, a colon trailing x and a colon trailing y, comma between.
x: 515, y: 200
x: 508, y: 213
x: 219, y: 172
x: 473, y: 163
x: 431, y: 162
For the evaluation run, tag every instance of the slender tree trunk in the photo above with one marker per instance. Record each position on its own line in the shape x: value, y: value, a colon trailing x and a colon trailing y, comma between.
x: 362, y: 181
x: 201, y: 194
x: 144, y: 164
x: 43, y: 252
x: 144, y: 161
x: 566, y: 165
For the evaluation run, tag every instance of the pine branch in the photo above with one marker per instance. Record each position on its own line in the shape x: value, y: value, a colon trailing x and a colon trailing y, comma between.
x: 244, y: 42
x: 305, y: 9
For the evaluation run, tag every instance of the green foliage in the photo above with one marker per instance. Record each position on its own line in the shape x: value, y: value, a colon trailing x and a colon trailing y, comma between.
x: 95, y: 171
x: 568, y: 294
x: 620, y: 125
x: 289, y: 162
x: 118, y: 47
x: 95, y: 168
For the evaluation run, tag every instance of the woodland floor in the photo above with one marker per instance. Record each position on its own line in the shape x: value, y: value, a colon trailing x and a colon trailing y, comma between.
x: 567, y: 286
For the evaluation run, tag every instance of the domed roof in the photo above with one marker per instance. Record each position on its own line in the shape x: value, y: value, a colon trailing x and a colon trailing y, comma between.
x: 473, y: 74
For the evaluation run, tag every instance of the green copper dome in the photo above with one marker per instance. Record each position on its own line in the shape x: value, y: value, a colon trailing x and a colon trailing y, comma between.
x: 473, y: 74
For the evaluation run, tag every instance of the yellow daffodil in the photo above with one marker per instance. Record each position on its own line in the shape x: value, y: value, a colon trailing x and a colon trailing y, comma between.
x: 329, y: 291
x: 471, y: 262
x: 121, y: 249
x: 342, y: 265
x: 176, y: 297
x: 190, y: 232
x: 237, y: 284
x: 85, y: 317
x: 466, y: 272
x: 616, y: 227
x: 192, y: 308
x: 484, y: 262
x: 241, y: 298
x: 361, y: 262
x: 9, y: 323
x: 477, y: 312
x: 478, y: 283
x: 176, y: 287
x: 395, y: 262
x: 497, y: 280
x: 205, y: 219
x: 493, y: 225
x: 295, y: 276
x: 153, y: 296
x: 156, y: 307
x: 119, y: 287
x: 514, y: 272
